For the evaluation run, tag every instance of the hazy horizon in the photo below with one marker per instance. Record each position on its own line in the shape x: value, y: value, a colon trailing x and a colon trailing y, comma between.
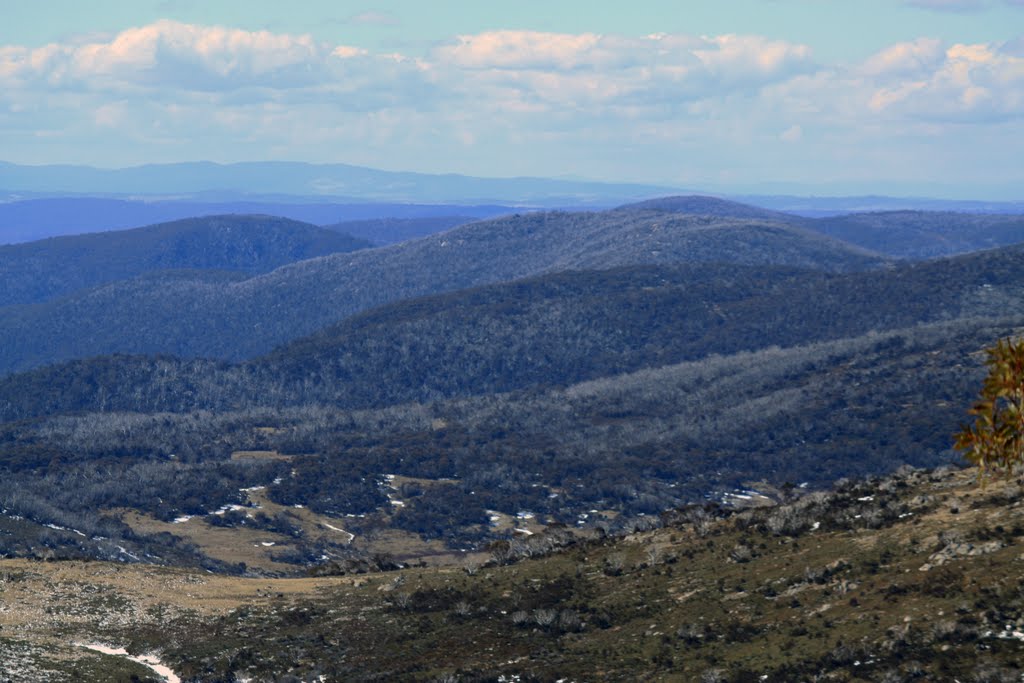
x: 909, y: 98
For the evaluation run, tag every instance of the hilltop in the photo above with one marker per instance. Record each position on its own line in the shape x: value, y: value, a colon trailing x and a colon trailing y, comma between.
x: 44, y: 270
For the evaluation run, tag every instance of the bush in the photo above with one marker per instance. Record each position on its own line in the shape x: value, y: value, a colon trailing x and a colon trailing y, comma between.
x: 995, y: 442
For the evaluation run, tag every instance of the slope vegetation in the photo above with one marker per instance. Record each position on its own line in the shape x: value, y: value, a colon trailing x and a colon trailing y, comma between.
x: 553, y: 330
x: 913, y: 235
x: 912, y: 577
x: 47, y: 269
x: 241, y: 319
x: 384, y: 231
x: 925, y: 234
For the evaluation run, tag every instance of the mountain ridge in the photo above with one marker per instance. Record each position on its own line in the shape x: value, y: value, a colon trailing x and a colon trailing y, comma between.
x: 244, y: 318
x: 296, y: 178
x: 39, y: 271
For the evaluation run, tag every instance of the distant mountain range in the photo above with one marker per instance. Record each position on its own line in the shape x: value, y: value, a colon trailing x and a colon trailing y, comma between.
x: 35, y: 219
x: 356, y: 183
x: 43, y: 201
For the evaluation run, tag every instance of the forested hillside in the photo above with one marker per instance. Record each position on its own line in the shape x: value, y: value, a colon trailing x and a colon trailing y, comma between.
x: 905, y: 234
x: 494, y: 380
x: 383, y: 231
x: 240, y: 319
x: 621, y: 445
x: 552, y: 330
x: 924, y: 234
x: 51, y: 268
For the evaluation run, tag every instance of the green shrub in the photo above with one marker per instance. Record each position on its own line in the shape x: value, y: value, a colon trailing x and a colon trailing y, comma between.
x: 995, y: 442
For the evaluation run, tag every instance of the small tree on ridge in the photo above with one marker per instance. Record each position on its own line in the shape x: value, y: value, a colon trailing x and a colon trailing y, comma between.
x: 995, y: 442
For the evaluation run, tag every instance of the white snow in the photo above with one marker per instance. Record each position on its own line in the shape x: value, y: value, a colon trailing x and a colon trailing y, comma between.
x: 351, y: 536
x: 151, y: 661
x: 228, y: 508
x: 122, y: 549
x: 182, y: 519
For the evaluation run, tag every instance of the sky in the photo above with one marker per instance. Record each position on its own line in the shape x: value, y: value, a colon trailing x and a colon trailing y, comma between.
x: 922, y: 97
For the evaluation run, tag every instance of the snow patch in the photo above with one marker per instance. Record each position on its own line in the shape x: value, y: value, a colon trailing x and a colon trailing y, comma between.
x: 351, y: 536
x: 151, y: 661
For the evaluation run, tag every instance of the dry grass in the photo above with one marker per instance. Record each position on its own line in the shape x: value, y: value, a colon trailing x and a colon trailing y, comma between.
x: 227, y: 544
x: 260, y: 455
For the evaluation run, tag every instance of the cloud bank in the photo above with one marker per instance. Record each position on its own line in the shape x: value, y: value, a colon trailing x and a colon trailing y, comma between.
x: 544, y: 103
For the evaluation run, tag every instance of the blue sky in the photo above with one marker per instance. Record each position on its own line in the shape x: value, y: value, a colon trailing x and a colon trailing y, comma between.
x: 809, y: 96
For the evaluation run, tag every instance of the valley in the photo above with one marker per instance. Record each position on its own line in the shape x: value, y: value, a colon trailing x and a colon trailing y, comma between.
x: 244, y: 447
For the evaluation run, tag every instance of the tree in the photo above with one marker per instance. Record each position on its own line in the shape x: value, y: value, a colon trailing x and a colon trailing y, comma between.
x: 995, y: 442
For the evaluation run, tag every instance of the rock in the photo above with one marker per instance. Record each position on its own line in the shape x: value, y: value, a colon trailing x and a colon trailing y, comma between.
x: 960, y: 549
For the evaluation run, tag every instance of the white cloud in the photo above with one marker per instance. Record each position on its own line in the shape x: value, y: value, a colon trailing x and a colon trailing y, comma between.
x: 792, y: 134
x: 971, y: 83
x: 173, y: 54
x: 543, y: 103
x: 905, y: 59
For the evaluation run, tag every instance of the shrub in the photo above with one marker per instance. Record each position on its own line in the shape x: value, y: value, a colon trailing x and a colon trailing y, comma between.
x: 995, y: 442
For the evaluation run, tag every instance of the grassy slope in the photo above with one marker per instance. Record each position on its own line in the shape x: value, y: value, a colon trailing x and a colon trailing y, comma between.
x: 914, y: 576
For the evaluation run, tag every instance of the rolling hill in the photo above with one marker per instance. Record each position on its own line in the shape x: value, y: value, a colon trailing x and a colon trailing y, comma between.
x: 27, y: 220
x: 313, y: 180
x: 383, y: 231
x: 701, y: 205
x: 41, y: 271
x: 239, y: 319
x: 548, y: 331
x: 923, y: 235
x: 906, y: 234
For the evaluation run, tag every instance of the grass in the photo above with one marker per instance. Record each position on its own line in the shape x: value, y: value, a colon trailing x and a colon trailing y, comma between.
x: 865, y: 598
